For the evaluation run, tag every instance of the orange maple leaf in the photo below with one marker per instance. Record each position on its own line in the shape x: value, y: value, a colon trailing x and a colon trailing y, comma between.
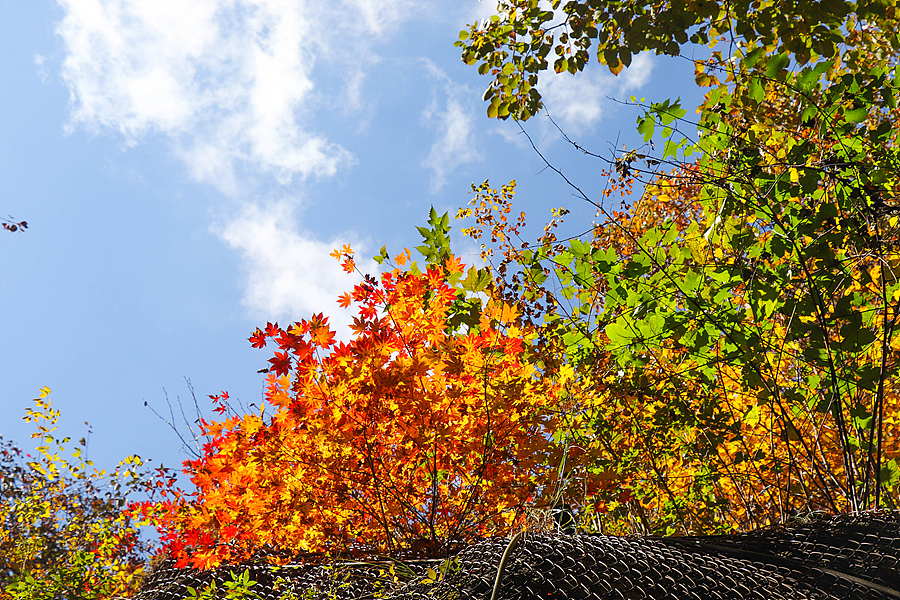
x: 345, y: 251
x: 454, y: 265
x: 401, y: 258
x: 214, y: 428
x: 323, y: 336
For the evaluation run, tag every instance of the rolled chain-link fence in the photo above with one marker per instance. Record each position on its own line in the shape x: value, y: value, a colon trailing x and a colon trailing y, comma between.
x: 853, y: 557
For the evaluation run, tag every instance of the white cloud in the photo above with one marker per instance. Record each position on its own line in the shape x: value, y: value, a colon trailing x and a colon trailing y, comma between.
x: 130, y: 66
x: 577, y: 102
x: 289, y: 273
x: 478, y: 10
x: 453, y: 119
x: 638, y: 74
x: 376, y: 16
x: 231, y: 82
x: 510, y: 131
x: 43, y: 73
x: 235, y: 86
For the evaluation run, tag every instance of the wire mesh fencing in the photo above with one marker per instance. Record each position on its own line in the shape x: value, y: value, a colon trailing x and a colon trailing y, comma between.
x: 854, y: 557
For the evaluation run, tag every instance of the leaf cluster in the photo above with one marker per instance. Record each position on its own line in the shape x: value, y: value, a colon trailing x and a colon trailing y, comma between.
x: 65, y: 527
x: 515, y: 45
x: 10, y: 224
x: 729, y: 339
x: 424, y: 431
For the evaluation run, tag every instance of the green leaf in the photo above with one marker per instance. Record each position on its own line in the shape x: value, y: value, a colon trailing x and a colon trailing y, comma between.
x: 857, y: 115
x: 810, y: 76
x: 672, y: 148
x: 755, y: 89
x: 753, y: 57
x: 776, y: 64
x: 579, y: 248
x: 890, y: 473
x: 668, y: 111
x: 646, y: 125
x: 620, y: 332
x: 862, y: 418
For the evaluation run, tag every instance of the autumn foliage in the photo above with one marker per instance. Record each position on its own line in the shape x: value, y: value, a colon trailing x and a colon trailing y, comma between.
x: 733, y: 328
x: 719, y: 352
x: 65, y: 528
x: 698, y: 379
x: 428, y: 428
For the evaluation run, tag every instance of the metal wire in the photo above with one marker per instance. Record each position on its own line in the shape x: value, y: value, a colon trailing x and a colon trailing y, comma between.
x: 852, y: 557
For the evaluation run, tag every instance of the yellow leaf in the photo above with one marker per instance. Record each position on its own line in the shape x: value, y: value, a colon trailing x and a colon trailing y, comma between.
x: 752, y: 416
x: 566, y: 373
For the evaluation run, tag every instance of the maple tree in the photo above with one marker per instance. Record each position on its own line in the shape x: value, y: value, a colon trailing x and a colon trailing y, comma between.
x: 733, y: 330
x: 428, y: 428
x: 65, y: 527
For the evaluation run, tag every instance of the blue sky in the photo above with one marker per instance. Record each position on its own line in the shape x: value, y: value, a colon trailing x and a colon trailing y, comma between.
x: 186, y: 168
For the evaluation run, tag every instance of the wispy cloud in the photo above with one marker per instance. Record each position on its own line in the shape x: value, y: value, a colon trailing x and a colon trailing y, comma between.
x: 451, y: 115
x: 42, y: 70
x: 236, y: 87
x: 289, y: 273
x: 478, y: 10
x: 230, y: 82
x: 578, y: 102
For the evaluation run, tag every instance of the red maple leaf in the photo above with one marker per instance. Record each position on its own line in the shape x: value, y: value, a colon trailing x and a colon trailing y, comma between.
x: 229, y: 532
x: 258, y: 339
x: 318, y: 320
x: 281, y: 363
x: 287, y: 341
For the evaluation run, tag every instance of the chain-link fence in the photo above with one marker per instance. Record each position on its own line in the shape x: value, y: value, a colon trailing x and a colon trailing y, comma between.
x: 853, y: 557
